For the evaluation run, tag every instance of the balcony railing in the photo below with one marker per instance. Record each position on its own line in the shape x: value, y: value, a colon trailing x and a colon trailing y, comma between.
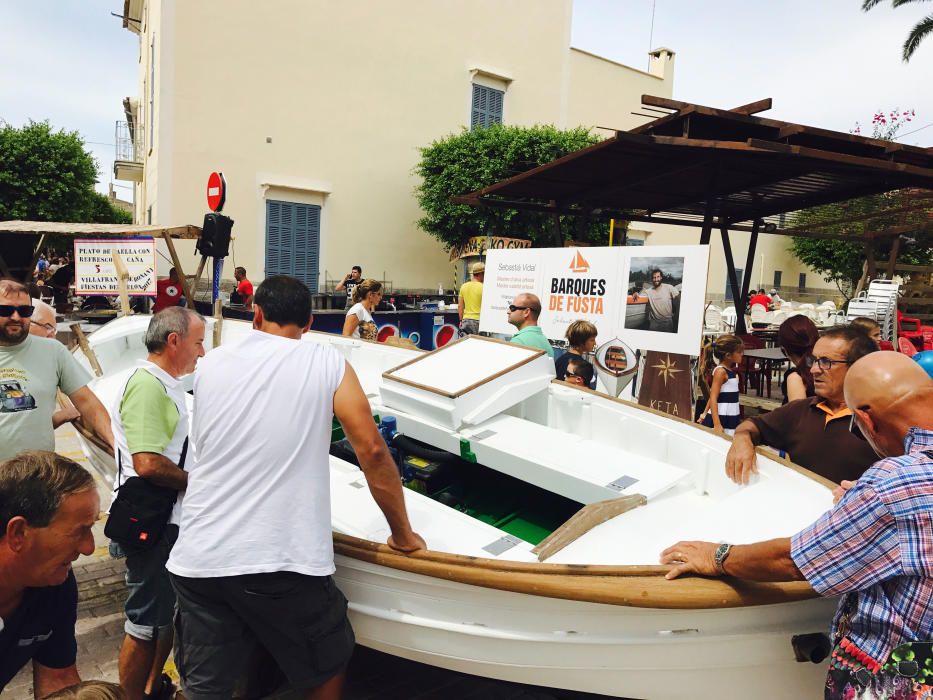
x: 129, y: 142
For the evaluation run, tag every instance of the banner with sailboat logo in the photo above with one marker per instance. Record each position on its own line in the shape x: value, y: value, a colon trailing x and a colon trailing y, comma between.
x: 649, y: 297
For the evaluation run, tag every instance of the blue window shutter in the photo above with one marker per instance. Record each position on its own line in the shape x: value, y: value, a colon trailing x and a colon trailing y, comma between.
x: 486, y: 107
x: 293, y: 241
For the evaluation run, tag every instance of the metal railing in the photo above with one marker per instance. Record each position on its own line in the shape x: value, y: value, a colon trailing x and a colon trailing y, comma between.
x: 129, y: 142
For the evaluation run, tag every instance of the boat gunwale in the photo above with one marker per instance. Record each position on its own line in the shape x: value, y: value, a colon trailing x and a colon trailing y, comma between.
x: 638, y: 586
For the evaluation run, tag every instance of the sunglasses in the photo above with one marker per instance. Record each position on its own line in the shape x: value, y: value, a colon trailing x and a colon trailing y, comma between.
x: 25, y: 311
x: 855, y: 429
x: 824, y: 362
x: 512, y: 308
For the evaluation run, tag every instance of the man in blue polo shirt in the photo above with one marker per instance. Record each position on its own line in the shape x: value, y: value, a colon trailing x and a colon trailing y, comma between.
x: 48, y: 505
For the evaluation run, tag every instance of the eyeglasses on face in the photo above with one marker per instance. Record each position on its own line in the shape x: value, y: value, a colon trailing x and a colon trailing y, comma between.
x: 512, y: 308
x: 824, y: 363
x: 7, y: 310
x: 49, y: 328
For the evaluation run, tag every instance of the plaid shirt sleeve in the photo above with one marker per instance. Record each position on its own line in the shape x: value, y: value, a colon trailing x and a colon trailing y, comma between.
x: 851, y: 547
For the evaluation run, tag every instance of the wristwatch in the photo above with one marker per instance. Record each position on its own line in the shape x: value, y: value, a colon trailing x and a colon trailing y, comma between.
x: 722, y: 553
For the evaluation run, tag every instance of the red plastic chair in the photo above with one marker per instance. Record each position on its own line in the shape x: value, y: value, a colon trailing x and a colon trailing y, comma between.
x: 886, y: 345
x: 927, y: 337
x: 906, y: 347
x: 914, y: 335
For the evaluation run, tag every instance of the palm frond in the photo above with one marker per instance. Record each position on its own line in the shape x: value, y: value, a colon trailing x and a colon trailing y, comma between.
x: 868, y: 4
x: 899, y: 3
x: 920, y: 30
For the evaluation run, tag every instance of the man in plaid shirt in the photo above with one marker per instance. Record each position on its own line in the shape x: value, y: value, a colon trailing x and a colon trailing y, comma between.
x: 874, y: 548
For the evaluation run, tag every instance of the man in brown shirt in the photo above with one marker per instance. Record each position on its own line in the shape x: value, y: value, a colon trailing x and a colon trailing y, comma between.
x: 814, y: 431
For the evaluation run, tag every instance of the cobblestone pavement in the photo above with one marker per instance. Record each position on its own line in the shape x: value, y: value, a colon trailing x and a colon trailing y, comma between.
x: 371, y: 675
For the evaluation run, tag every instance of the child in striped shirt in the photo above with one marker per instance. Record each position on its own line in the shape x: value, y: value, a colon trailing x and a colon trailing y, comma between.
x: 722, y: 410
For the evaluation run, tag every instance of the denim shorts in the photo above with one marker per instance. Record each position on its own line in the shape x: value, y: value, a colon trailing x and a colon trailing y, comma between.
x: 150, y: 600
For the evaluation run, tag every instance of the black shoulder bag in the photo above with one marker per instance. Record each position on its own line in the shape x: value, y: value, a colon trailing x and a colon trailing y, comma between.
x: 141, y: 510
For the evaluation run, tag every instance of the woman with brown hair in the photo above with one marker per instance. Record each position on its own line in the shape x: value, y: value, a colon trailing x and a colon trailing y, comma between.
x: 796, y: 337
x: 359, y: 321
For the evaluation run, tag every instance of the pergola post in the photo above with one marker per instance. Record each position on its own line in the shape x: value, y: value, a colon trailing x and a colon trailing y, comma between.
x: 733, y: 279
x: 750, y: 260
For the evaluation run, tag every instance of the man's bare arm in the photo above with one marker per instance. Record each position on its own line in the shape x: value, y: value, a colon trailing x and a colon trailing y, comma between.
x: 352, y: 410
x: 742, y: 460
x: 460, y: 307
x: 93, y: 413
x: 160, y: 470
x: 762, y: 561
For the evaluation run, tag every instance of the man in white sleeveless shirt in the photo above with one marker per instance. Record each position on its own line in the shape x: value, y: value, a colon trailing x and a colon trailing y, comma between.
x: 255, y: 555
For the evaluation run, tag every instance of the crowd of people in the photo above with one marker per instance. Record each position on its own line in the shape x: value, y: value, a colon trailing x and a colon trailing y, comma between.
x: 184, y: 497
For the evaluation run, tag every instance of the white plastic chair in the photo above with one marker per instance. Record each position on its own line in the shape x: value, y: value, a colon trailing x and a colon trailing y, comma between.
x: 728, y: 318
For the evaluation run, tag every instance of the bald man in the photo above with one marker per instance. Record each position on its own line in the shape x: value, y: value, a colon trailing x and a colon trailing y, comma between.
x: 873, y: 548
x: 523, y: 314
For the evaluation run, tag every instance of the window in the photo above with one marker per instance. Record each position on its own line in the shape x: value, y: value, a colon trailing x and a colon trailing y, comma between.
x: 802, y: 282
x: 634, y: 241
x: 777, y: 279
x: 293, y: 241
x: 487, y: 106
x: 740, y: 276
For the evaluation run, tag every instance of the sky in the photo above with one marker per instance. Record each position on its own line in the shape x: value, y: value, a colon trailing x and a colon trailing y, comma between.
x: 824, y: 62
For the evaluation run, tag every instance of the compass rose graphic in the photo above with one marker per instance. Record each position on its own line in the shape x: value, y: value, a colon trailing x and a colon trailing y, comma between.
x: 667, y: 369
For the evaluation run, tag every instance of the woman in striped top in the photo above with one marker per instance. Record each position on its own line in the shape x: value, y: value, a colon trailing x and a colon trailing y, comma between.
x: 722, y: 409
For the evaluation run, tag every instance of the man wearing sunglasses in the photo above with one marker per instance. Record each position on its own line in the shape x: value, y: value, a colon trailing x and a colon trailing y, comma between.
x: 523, y: 314
x: 872, y: 548
x: 813, y: 431
x: 32, y: 370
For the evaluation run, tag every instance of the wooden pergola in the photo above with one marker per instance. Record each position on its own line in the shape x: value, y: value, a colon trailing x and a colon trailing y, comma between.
x: 714, y: 168
x: 22, y: 241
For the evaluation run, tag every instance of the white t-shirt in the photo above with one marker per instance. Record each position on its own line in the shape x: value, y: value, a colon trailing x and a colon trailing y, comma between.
x: 362, y: 313
x: 258, y: 497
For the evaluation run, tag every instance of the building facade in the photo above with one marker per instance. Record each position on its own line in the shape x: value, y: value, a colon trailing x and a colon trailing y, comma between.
x: 315, y: 112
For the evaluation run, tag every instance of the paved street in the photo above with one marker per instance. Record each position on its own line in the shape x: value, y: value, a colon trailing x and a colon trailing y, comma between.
x: 371, y: 675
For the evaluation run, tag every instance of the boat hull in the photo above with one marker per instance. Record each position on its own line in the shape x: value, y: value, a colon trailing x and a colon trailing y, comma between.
x: 609, y: 649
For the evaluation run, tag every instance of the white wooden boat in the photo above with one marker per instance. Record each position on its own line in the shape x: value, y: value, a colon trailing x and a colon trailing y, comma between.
x: 595, y: 616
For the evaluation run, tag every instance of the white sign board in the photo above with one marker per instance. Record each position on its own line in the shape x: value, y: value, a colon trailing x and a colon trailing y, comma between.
x: 95, y: 272
x: 649, y: 297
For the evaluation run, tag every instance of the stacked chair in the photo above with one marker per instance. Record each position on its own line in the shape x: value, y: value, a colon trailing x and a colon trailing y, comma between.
x: 878, y: 302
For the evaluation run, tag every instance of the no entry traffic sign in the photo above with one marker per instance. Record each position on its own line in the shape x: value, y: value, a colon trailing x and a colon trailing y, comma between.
x: 216, y: 191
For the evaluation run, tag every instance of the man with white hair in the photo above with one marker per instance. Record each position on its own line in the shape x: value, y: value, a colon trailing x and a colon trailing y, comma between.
x: 42, y: 324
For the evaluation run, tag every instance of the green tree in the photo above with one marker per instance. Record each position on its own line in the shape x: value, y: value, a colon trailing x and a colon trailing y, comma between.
x: 48, y: 175
x: 841, y: 261
x: 462, y: 163
x: 920, y: 30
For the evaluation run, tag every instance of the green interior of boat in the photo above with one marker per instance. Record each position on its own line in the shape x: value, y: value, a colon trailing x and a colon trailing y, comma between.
x: 517, y: 508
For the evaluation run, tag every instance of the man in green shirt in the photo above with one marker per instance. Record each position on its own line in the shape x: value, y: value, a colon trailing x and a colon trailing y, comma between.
x: 32, y: 370
x: 523, y: 314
